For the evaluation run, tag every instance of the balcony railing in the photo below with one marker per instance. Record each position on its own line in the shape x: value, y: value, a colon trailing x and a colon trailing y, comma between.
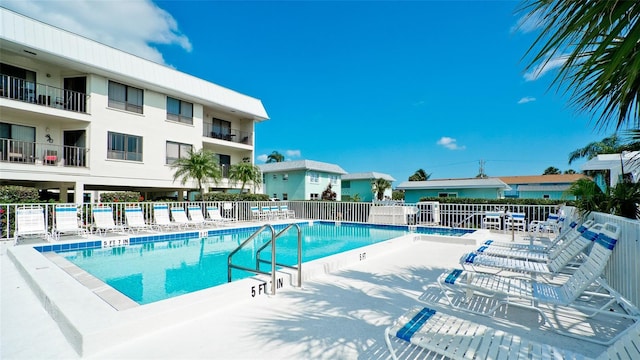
x: 26, y: 91
x: 27, y: 152
x: 233, y: 135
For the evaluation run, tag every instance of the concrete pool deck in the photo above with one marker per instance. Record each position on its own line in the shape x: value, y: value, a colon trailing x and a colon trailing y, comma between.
x: 339, y: 314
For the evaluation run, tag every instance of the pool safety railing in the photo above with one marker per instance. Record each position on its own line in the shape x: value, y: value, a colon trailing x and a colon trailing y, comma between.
x: 273, y: 261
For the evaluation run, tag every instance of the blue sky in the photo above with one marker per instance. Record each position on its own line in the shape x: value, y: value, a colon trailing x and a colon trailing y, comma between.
x: 390, y: 87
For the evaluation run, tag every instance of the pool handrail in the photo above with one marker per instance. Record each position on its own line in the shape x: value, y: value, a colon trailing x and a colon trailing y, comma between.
x: 299, y: 267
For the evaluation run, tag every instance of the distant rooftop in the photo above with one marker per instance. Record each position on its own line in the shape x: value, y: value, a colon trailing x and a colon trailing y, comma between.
x: 367, y: 176
x: 542, y: 179
x: 301, y: 165
x: 454, y: 184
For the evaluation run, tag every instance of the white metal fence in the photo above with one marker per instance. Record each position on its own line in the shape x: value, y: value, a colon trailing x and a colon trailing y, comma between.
x: 622, y: 273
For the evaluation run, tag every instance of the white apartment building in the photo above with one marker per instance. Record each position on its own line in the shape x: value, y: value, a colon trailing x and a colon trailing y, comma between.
x: 77, y: 116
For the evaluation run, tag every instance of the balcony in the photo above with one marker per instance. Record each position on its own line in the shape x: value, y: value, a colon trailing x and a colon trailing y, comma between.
x: 26, y: 91
x: 32, y: 153
x: 233, y: 135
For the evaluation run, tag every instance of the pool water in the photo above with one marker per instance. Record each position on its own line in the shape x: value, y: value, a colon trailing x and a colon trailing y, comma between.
x: 159, y: 270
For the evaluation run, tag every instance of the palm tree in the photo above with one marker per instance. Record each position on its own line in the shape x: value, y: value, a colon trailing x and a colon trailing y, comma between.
x: 201, y: 166
x: 589, y: 196
x: 378, y: 187
x: 275, y: 157
x: 419, y: 175
x: 245, y: 172
x: 608, y: 145
x: 551, y: 170
x: 623, y: 200
x: 598, y: 42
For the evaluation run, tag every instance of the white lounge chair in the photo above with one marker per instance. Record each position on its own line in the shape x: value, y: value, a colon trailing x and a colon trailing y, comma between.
x: 195, y: 213
x: 569, y: 232
x: 30, y: 222
x: 514, y: 291
x: 215, y: 216
x: 103, y: 220
x: 180, y: 217
x: 255, y: 213
x: 66, y: 222
x: 265, y: 212
x: 285, y: 213
x: 535, y: 262
x: 492, y: 220
x: 163, y: 219
x: 135, y: 219
x: 456, y: 338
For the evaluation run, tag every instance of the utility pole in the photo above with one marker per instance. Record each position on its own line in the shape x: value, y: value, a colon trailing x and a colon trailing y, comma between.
x: 481, y: 173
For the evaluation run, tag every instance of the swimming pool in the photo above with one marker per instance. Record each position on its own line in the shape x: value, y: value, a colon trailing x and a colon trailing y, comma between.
x: 165, y: 268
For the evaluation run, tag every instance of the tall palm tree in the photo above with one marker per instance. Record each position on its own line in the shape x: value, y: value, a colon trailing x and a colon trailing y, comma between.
x: 589, y: 196
x: 245, y: 172
x: 275, y: 157
x: 608, y: 145
x: 201, y: 166
x: 419, y: 175
x: 378, y: 187
x: 599, y: 43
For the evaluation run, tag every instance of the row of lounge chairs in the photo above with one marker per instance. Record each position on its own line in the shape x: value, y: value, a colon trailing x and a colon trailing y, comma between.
x: 30, y: 222
x: 272, y: 212
x: 567, y: 279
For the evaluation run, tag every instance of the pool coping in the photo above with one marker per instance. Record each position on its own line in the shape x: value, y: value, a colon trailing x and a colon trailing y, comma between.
x: 91, y: 325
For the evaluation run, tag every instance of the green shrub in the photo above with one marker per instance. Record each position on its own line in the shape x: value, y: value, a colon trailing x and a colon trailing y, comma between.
x: 18, y: 195
x: 235, y: 197
x: 120, y: 196
x: 510, y: 201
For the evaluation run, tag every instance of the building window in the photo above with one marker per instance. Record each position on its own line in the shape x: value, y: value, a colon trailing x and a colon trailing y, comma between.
x: 178, y: 110
x: 177, y: 151
x: 285, y: 177
x: 19, y: 144
x: 314, y: 177
x: 285, y: 196
x: 275, y: 176
x: 125, y: 97
x: 124, y: 147
x: 546, y: 196
x: 346, y: 184
x: 221, y: 129
x: 314, y: 196
x: 333, y: 179
x: 275, y: 196
x: 444, y: 195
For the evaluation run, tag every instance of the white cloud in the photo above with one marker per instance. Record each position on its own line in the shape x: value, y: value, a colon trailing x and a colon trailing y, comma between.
x: 450, y: 143
x: 293, y: 153
x: 526, y: 99
x: 131, y: 25
x: 545, y: 67
x: 528, y: 23
x: 262, y: 157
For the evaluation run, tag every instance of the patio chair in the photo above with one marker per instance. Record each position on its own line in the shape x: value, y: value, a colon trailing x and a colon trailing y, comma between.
x: 180, y: 217
x: 135, y: 220
x: 285, y: 213
x: 215, y: 215
x: 30, y: 222
x: 103, y: 220
x: 564, y: 259
x: 255, y: 213
x: 195, y: 214
x: 561, y: 254
x: 572, y: 293
x: 275, y: 212
x: 456, y: 338
x: 492, y: 220
x: 163, y: 219
x: 265, y: 212
x: 66, y: 222
x: 550, y: 226
x: 515, y: 221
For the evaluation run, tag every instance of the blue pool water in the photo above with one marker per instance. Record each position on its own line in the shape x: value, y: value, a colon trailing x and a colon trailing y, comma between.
x: 158, y: 270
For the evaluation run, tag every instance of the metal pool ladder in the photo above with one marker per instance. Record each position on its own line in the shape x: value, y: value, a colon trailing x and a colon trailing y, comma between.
x: 272, y: 242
